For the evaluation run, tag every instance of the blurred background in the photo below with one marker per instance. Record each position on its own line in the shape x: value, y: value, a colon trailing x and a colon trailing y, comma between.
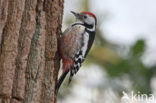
x: 123, y: 58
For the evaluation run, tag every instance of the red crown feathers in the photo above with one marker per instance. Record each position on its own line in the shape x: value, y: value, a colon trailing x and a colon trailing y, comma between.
x: 89, y: 13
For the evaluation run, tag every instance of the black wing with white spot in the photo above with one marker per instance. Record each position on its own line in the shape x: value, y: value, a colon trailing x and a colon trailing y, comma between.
x: 88, y: 39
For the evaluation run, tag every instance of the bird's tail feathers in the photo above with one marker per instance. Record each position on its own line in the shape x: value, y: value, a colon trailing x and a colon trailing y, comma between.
x: 60, y: 81
x: 70, y: 78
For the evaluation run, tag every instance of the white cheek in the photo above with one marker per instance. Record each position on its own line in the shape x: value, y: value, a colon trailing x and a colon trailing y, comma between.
x: 90, y: 20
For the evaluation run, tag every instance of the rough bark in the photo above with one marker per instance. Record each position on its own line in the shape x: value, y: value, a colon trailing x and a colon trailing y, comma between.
x: 29, y: 61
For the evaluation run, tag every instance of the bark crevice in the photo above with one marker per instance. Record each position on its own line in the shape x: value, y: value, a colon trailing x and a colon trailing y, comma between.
x: 18, y: 99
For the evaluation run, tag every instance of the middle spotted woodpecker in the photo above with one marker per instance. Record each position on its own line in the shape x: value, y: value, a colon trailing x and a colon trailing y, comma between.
x: 75, y: 43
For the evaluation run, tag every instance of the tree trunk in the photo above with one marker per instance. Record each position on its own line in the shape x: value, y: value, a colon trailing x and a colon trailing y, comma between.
x: 29, y: 61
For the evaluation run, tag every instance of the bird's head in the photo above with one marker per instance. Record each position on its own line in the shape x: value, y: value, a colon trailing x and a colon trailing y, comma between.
x: 85, y: 17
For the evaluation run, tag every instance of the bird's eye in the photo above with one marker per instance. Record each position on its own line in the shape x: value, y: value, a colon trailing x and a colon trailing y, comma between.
x: 85, y: 17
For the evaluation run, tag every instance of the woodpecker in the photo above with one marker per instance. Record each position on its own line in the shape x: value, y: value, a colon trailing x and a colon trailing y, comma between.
x: 75, y: 43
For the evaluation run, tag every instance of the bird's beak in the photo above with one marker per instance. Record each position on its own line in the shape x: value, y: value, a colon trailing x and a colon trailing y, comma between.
x: 77, y: 15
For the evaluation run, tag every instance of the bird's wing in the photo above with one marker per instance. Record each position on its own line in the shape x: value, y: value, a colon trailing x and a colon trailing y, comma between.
x: 82, y: 52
